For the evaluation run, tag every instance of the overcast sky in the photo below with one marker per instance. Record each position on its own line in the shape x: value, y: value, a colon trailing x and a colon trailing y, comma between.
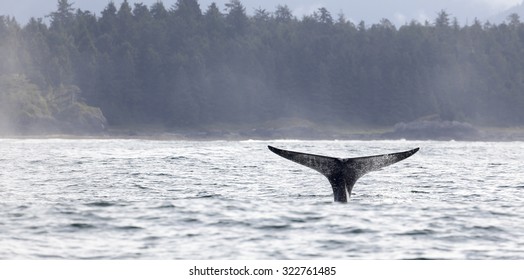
x: 371, y: 11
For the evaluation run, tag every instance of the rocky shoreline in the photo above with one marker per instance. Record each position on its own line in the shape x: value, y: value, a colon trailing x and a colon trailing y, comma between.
x: 422, y: 131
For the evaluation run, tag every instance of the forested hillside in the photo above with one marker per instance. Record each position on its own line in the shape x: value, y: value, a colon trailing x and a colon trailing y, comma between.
x: 180, y: 65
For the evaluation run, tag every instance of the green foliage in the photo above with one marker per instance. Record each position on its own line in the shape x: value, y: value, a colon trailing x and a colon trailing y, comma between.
x: 20, y: 101
x: 188, y: 67
x: 26, y: 109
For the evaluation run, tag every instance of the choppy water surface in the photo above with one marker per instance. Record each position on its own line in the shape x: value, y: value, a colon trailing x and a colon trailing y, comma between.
x: 138, y: 199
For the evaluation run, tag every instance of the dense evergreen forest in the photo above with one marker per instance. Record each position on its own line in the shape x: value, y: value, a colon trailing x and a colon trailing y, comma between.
x: 183, y: 66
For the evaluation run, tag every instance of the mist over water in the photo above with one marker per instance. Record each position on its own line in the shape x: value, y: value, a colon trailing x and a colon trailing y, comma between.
x: 138, y: 199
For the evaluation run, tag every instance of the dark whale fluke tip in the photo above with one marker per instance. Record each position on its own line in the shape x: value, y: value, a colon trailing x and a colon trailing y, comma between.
x: 343, y: 173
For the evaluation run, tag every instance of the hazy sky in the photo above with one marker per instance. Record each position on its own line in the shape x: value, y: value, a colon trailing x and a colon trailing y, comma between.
x: 371, y: 11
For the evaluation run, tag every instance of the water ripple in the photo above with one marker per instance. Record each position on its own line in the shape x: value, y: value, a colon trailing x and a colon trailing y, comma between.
x: 136, y: 199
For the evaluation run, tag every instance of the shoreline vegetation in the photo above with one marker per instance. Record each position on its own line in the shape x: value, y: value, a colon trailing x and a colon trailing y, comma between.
x: 417, y: 131
x: 182, y: 71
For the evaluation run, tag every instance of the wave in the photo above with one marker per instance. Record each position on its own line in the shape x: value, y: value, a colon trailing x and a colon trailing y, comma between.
x: 129, y: 228
x: 82, y: 225
x: 417, y: 232
x: 101, y: 204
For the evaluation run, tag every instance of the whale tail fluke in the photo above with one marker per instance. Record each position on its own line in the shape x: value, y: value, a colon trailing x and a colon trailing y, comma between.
x: 322, y: 164
x: 363, y: 165
x: 343, y: 173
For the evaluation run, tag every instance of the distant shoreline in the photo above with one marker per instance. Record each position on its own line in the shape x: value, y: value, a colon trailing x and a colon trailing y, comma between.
x: 486, y: 134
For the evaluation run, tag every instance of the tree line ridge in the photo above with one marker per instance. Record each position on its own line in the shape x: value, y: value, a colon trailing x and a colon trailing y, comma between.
x: 183, y: 66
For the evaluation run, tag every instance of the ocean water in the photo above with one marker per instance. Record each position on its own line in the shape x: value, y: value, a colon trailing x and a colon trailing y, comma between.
x: 143, y: 199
